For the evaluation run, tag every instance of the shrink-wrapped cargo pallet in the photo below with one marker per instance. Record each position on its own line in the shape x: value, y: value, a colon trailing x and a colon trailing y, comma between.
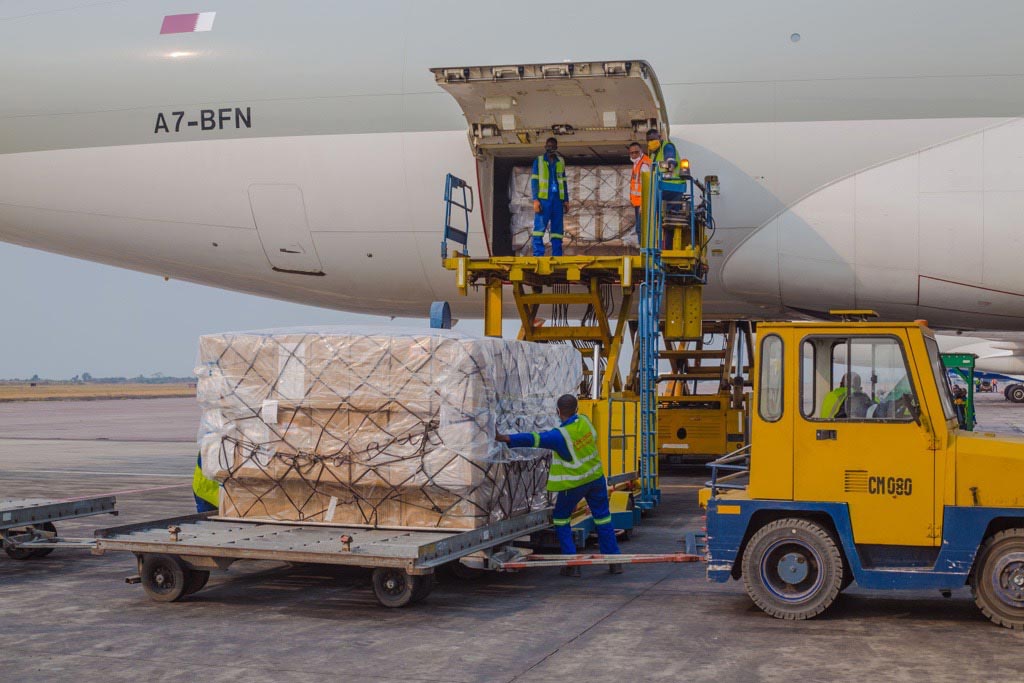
x: 599, y: 218
x: 343, y: 426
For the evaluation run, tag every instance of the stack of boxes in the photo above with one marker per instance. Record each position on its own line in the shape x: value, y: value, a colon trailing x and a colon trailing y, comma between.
x: 347, y: 427
x: 598, y: 219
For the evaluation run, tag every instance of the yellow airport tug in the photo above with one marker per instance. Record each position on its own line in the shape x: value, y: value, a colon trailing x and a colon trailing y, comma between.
x: 858, y: 472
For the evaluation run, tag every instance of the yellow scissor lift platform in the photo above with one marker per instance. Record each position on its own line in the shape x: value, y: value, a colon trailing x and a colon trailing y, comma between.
x: 642, y: 281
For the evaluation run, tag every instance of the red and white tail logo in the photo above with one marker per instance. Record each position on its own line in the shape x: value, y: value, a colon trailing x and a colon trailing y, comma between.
x: 188, y: 23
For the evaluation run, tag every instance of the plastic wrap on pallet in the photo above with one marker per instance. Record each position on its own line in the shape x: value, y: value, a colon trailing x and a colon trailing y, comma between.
x: 348, y: 426
x: 599, y: 219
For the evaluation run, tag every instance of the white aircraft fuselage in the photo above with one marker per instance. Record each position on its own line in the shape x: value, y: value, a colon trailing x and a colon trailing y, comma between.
x: 869, y: 153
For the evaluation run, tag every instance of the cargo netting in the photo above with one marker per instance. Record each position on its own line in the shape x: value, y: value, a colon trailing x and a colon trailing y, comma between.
x: 346, y: 427
x: 599, y: 219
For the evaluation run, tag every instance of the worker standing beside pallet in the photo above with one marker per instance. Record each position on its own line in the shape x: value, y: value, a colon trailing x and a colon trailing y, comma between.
x: 575, y: 474
x: 550, y: 195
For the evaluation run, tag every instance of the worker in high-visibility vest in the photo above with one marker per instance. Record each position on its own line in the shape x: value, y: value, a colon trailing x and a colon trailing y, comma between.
x: 673, y: 169
x: 641, y: 164
x: 206, y: 491
x: 550, y: 195
x: 575, y: 474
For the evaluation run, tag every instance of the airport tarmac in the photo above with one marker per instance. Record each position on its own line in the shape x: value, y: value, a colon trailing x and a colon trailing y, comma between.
x: 71, y: 617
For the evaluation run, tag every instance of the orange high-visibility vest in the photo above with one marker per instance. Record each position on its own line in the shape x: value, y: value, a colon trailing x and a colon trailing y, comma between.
x: 634, y: 179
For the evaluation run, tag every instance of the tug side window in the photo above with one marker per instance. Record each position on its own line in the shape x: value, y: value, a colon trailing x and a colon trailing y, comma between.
x: 770, y: 392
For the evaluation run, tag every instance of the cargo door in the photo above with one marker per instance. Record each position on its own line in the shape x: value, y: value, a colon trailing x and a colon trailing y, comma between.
x: 280, y: 215
x: 512, y: 109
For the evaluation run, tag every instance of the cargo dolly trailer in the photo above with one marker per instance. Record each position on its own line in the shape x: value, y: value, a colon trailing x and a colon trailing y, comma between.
x: 175, y: 555
x: 27, y: 528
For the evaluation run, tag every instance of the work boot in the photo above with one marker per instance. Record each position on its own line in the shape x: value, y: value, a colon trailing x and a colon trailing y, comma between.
x: 615, y: 569
x: 571, y: 571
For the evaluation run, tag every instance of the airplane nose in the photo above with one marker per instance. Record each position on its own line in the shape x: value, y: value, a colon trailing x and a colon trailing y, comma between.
x: 751, y: 271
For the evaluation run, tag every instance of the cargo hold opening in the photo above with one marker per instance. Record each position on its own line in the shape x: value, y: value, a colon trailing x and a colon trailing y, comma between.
x: 593, y: 109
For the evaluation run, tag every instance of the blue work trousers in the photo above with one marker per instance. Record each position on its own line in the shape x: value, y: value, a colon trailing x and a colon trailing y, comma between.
x: 596, y: 493
x: 550, y: 215
x: 202, y: 505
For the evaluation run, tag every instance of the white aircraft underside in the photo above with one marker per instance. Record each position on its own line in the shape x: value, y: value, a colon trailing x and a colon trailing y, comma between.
x: 869, y: 154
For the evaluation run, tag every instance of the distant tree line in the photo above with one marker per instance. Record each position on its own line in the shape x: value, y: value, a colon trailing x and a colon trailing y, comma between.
x: 87, y: 378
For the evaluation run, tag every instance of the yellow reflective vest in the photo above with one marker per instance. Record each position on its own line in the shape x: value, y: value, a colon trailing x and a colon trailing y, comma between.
x: 585, y: 463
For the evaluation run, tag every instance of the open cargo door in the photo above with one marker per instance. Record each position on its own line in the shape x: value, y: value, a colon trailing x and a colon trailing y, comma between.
x: 593, y: 109
x: 514, y: 108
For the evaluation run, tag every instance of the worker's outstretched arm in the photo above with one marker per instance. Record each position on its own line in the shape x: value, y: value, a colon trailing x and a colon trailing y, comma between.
x: 552, y: 440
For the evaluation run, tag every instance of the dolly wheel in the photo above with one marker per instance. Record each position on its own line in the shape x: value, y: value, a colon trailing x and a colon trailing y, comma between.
x: 29, y: 553
x: 45, y: 526
x: 422, y: 585
x: 998, y: 579
x: 395, y: 587
x: 196, y: 580
x: 164, y: 577
x: 792, y: 569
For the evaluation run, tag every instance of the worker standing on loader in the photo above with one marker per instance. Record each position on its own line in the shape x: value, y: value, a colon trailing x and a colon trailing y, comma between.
x: 673, y: 168
x: 575, y: 474
x: 550, y: 195
x: 641, y: 164
x: 206, y: 491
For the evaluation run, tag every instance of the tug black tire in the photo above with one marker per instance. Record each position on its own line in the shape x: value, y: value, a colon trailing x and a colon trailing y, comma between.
x: 998, y: 579
x: 793, y: 569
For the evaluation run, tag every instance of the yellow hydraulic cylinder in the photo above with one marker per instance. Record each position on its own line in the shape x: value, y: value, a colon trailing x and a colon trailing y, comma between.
x: 492, y: 308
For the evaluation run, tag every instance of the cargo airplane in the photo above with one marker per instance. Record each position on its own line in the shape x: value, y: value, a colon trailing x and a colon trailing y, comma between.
x: 870, y: 154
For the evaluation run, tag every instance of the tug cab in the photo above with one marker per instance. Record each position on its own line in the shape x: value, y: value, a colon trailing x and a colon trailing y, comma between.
x: 857, y: 471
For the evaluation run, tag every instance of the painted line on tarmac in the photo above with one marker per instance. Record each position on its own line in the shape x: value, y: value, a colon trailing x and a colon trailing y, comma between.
x: 126, y: 492
x: 105, y: 474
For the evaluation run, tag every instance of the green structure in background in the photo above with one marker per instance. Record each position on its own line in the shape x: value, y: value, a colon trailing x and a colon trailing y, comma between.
x: 963, y: 365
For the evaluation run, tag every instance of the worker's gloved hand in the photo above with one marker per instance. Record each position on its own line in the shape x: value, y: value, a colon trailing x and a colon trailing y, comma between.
x: 565, y: 207
x: 502, y: 438
x: 536, y: 206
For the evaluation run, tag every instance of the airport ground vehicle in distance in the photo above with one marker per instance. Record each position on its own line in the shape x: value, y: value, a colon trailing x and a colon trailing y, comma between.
x: 886, y: 492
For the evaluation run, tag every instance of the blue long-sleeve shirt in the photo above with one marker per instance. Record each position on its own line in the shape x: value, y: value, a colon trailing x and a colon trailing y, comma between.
x: 552, y: 440
x: 552, y: 179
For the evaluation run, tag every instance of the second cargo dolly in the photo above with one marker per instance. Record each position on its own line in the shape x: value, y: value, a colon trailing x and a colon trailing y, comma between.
x: 27, y: 528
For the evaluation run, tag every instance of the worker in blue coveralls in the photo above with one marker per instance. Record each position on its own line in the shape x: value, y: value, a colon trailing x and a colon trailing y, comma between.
x: 550, y: 194
x: 575, y: 474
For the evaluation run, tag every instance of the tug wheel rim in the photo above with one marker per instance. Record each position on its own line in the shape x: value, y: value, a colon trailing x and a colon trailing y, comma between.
x: 791, y: 570
x: 1007, y: 579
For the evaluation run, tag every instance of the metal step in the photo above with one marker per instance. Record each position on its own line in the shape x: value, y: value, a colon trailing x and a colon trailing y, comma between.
x: 693, y: 353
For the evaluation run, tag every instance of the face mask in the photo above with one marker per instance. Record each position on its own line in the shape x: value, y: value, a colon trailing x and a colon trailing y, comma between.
x: 653, y: 145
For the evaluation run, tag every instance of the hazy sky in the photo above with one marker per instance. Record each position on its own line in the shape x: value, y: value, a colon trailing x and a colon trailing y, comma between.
x: 64, y: 316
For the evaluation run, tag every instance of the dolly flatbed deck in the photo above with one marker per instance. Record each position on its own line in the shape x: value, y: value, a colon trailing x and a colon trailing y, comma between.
x: 417, y: 551
x: 175, y: 555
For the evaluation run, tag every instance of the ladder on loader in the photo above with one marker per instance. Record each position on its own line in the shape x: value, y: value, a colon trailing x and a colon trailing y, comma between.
x: 665, y: 281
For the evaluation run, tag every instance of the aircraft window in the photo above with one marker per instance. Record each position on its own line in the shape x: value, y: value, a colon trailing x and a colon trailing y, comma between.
x: 770, y: 383
x: 867, y: 379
